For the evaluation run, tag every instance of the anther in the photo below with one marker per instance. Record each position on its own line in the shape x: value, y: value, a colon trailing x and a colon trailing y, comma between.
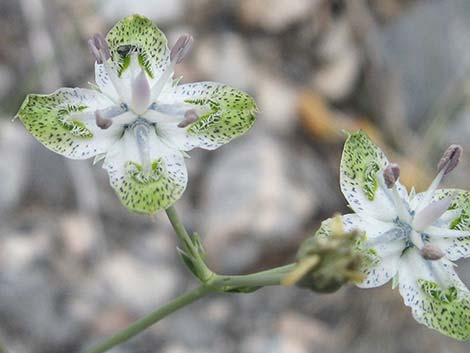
x: 450, y: 159
x: 391, y: 175
x: 101, y: 121
x: 181, y: 48
x: 189, y: 117
x: 99, y: 48
x: 431, y: 252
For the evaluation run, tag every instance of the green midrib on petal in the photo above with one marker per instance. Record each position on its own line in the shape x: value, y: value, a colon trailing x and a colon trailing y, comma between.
x: 446, y: 310
x: 361, y: 161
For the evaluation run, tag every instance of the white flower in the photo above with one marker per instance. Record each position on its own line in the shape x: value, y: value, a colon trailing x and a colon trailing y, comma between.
x: 409, y: 238
x: 137, y: 118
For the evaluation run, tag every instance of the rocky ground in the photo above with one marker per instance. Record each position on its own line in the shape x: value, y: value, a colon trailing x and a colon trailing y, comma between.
x: 75, y: 266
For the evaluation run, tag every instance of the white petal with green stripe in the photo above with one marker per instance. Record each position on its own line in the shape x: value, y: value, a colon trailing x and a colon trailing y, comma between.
x: 225, y: 113
x: 139, y: 35
x: 64, y: 122
x: 436, y: 295
x: 361, y: 178
x: 143, y: 192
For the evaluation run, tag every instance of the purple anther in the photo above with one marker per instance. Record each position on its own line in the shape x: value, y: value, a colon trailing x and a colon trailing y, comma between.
x: 431, y: 252
x: 391, y: 175
x: 102, y: 122
x: 99, y: 48
x: 181, y: 48
x: 450, y: 159
x: 189, y: 117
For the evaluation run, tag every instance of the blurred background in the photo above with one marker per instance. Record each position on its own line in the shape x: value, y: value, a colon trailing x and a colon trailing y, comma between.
x: 75, y: 266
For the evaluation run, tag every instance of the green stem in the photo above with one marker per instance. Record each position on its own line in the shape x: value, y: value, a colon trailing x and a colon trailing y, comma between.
x: 270, y: 277
x: 211, y: 283
x: 204, y: 274
x: 151, y: 319
x: 181, y: 230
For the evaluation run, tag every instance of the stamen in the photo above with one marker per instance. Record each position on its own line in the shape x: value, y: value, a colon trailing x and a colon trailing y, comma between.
x: 99, y: 48
x: 178, y: 52
x: 102, y: 122
x: 431, y: 213
x: 141, y: 132
x: 431, y: 252
x: 189, y: 117
x: 94, y: 51
x: 394, y: 196
x: 429, y: 193
x: 102, y: 45
x: 450, y: 159
x: 140, y: 93
x: 391, y: 174
x: 181, y: 48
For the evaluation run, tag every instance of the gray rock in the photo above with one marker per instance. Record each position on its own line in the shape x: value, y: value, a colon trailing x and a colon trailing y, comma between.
x: 428, y: 47
x: 14, y: 166
x: 224, y: 58
x: 275, y: 15
x: 257, y: 194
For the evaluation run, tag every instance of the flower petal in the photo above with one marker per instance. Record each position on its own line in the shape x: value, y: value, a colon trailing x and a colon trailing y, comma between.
x: 361, y: 179
x: 381, y: 256
x: 225, y: 113
x: 454, y: 247
x: 436, y: 295
x: 138, y: 35
x: 64, y: 122
x: 139, y: 192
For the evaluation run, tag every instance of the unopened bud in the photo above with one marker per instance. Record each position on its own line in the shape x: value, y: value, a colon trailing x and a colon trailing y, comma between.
x: 450, y: 159
x: 190, y: 116
x: 431, y: 252
x: 101, y: 121
x: 181, y: 48
x: 391, y: 175
x: 325, y: 263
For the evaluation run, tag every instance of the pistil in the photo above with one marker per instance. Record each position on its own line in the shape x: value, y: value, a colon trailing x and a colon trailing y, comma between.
x: 140, y: 93
x: 141, y: 131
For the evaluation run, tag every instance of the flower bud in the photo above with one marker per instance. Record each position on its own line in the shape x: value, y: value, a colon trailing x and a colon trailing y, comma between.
x: 450, y: 159
x: 391, y: 175
x: 325, y: 263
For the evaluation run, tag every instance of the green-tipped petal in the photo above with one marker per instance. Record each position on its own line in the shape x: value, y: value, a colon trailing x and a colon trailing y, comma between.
x: 64, y: 122
x: 225, y: 113
x: 137, y: 34
x: 361, y: 178
x: 379, y: 245
x: 141, y: 192
x: 436, y: 295
x: 458, y: 219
